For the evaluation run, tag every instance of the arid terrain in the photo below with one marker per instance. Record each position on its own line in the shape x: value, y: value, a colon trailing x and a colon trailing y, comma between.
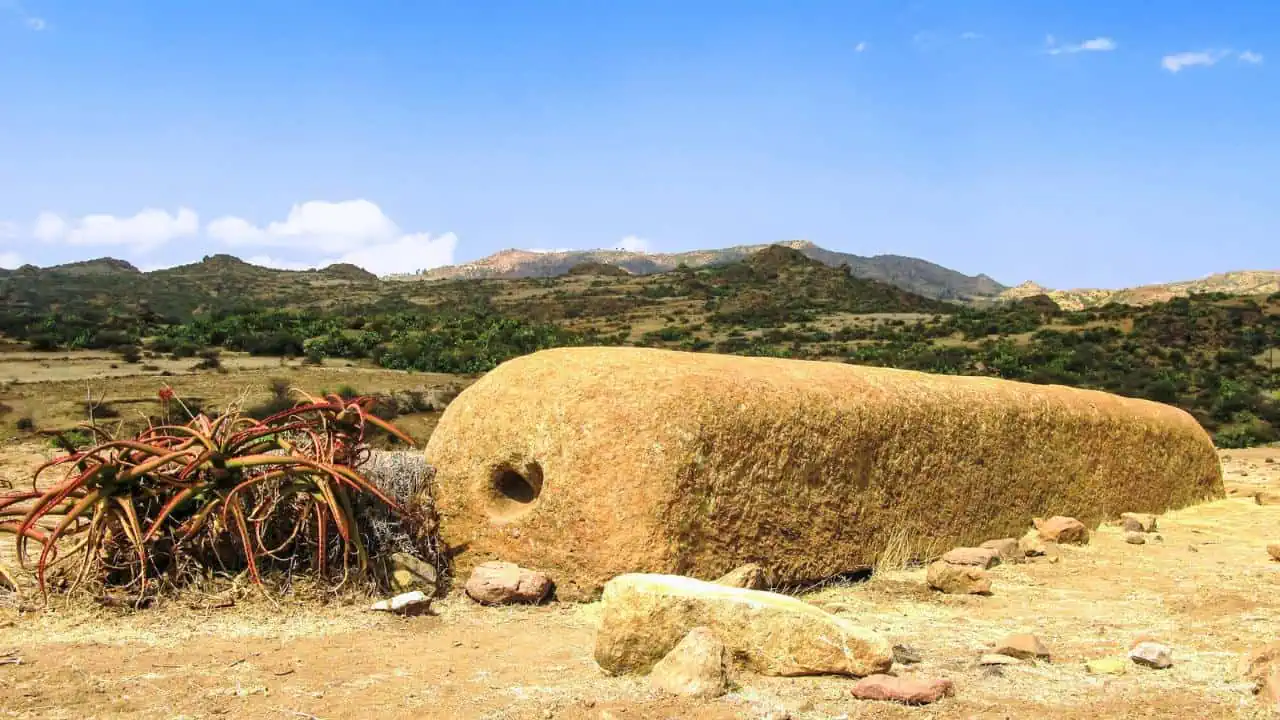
x: 1203, y: 584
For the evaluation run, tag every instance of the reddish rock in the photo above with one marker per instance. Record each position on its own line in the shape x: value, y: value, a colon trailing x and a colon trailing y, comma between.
x: 979, y: 557
x: 1023, y: 646
x: 905, y: 690
x: 504, y: 583
x: 1062, y: 530
x: 958, y: 579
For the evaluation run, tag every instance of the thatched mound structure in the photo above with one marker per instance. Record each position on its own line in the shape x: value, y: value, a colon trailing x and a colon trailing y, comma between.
x: 591, y: 462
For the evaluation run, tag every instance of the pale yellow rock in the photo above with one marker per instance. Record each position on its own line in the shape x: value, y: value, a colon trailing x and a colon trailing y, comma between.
x: 695, y: 667
x: 1107, y: 666
x: 643, y: 617
x: 750, y: 576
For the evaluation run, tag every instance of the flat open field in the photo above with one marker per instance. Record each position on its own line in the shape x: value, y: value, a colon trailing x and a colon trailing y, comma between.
x: 51, y: 388
x: 1205, y: 587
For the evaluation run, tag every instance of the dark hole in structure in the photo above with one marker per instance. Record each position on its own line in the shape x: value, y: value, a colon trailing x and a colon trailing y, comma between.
x: 513, y: 486
x: 513, y: 493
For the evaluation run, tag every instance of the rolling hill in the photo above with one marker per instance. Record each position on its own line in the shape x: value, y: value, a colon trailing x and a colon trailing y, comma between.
x: 912, y: 274
x: 1243, y: 282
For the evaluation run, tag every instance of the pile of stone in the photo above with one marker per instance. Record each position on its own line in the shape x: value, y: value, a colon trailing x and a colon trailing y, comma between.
x: 963, y: 570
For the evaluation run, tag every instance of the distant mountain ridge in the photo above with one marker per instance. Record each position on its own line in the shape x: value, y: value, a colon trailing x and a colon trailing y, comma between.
x: 1240, y: 282
x: 912, y: 274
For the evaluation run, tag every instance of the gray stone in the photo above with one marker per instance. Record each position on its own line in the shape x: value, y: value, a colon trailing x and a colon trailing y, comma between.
x: 1152, y: 655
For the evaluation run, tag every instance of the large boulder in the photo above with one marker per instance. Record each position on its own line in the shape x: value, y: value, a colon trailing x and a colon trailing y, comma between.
x: 643, y: 617
x: 592, y: 462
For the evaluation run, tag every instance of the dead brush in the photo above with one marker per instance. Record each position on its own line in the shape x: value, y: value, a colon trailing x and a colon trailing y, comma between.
x: 228, y: 492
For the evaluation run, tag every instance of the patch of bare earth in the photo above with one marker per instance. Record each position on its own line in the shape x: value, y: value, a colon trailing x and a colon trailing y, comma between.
x: 1205, y: 586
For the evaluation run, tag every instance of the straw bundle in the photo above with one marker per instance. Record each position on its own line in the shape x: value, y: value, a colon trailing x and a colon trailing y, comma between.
x: 592, y: 462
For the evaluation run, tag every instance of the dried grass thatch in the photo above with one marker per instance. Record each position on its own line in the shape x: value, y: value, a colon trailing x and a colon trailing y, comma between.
x: 591, y: 462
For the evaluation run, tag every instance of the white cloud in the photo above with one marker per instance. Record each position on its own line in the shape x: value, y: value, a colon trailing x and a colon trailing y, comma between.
x: 326, y: 226
x: 1250, y: 57
x: 10, y: 260
x: 861, y: 47
x: 1177, y: 61
x: 36, y: 23
x: 143, y: 232
x: 632, y: 243
x: 351, y: 231
x: 406, y: 254
x: 542, y: 251
x: 1098, y: 44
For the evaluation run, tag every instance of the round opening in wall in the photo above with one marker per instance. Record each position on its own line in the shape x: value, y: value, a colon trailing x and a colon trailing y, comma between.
x: 513, y: 492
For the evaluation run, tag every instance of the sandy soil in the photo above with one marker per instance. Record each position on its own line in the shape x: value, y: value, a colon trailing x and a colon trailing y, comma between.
x: 1203, y: 584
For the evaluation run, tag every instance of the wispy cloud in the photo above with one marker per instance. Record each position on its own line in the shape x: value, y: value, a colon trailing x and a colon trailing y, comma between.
x: 1176, y: 62
x: 31, y: 21
x: 861, y: 47
x: 1250, y: 57
x: 971, y: 36
x: 10, y: 260
x: 1098, y: 44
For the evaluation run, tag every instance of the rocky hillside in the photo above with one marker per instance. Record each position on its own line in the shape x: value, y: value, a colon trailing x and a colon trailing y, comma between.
x: 912, y: 274
x: 1244, y: 282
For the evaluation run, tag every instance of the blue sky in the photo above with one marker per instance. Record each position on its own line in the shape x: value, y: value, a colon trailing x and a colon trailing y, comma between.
x: 1072, y: 142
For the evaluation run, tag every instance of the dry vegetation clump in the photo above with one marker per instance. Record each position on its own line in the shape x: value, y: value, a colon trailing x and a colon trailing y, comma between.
x: 694, y: 464
x: 179, y: 503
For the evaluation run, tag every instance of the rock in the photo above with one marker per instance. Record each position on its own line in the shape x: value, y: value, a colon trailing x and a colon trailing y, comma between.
x: 1152, y: 655
x: 1007, y: 549
x: 980, y: 557
x: 642, y: 617
x: 1031, y: 544
x: 1063, y: 530
x: 906, y: 655
x: 1135, y: 538
x: 996, y: 659
x: 695, y: 667
x: 905, y: 690
x: 1138, y: 522
x: 1274, y: 551
x: 1107, y: 666
x: 410, y: 573
x: 502, y: 583
x: 749, y: 576
x: 1023, y: 646
x: 958, y: 579
x: 1262, y: 668
x: 410, y: 603
x: 1267, y: 497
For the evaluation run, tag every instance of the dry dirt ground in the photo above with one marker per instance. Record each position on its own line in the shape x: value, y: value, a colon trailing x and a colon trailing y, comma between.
x: 1205, y: 586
